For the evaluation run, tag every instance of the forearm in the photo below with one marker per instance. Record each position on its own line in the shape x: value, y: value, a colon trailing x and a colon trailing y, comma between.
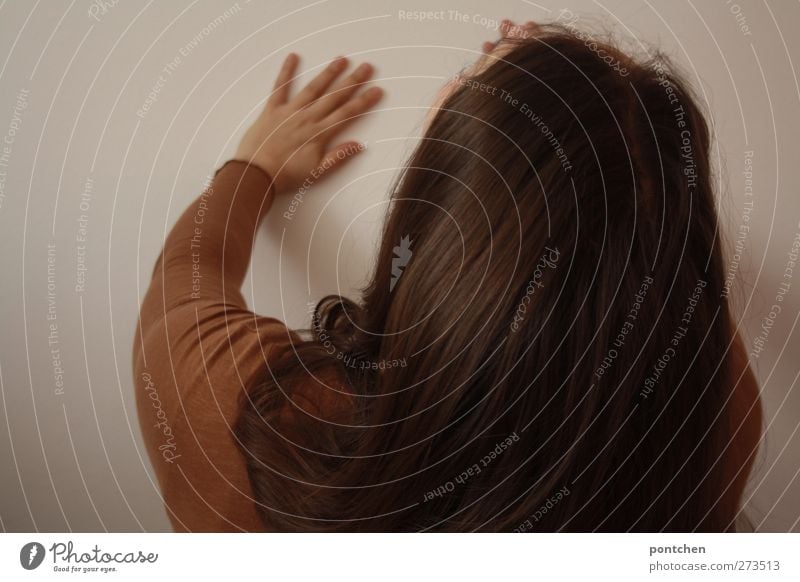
x: 207, y: 252
x: 205, y: 256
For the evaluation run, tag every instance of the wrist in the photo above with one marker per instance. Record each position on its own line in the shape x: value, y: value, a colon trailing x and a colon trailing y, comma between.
x: 260, y: 167
x: 245, y: 184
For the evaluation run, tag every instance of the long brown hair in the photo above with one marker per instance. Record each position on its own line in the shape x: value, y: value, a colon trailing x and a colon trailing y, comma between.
x: 542, y: 343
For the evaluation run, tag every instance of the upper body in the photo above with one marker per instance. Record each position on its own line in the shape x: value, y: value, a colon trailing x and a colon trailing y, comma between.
x: 203, y: 361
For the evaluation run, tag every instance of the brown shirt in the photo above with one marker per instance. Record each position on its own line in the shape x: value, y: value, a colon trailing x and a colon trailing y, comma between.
x: 198, y: 348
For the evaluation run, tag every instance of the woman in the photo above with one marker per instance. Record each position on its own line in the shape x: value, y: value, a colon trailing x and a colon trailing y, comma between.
x: 544, y: 345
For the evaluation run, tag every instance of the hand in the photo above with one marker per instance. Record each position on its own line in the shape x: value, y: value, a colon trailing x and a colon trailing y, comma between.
x: 509, y: 30
x: 291, y: 139
x: 500, y: 48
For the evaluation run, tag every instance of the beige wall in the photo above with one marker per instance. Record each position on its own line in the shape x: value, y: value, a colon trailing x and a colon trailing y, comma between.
x: 73, y: 81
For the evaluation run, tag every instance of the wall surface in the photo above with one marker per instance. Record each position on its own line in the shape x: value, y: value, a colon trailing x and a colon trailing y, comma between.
x: 112, y: 119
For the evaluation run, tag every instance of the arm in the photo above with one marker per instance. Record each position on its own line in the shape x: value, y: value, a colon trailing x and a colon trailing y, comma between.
x: 198, y: 348
x: 207, y: 252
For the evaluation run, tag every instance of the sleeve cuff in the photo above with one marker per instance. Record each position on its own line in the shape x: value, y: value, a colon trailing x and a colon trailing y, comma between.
x: 239, y: 167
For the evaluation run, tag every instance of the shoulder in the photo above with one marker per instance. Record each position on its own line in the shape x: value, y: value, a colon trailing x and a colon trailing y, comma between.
x: 191, y: 372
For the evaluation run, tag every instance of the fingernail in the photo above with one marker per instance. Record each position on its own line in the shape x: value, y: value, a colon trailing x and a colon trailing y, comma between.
x: 374, y: 92
x: 363, y: 69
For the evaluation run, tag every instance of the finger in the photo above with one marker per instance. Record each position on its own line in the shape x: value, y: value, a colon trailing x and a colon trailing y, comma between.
x: 341, y: 91
x: 341, y: 153
x: 283, y: 83
x: 515, y: 31
x: 350, y: 111
x: 321, y: 82
x: 532, y: 28
x: 487, y: 47
x: 522, y: 31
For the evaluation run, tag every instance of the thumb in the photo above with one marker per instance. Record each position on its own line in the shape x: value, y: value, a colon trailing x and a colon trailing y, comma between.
x: 341, y: 153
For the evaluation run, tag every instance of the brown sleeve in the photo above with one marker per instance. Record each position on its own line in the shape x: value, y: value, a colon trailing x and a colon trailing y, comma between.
x: 196, y: 350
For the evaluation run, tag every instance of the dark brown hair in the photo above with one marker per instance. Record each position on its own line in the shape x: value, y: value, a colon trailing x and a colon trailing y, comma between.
x: 542, y: 343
